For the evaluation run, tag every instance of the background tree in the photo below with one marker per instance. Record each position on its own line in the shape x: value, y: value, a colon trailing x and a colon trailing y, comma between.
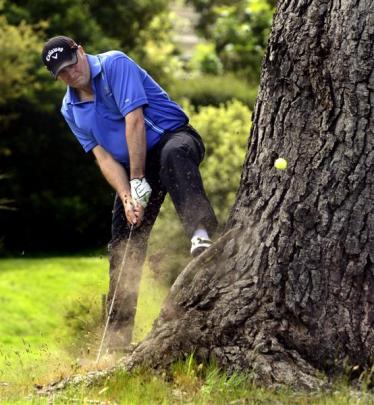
x: 287, y: 291
x: 70, y: 17
x: 18, y: 48
x: 240, y: 35
x: 128, y: 20
x: 236, y: 32
x: 206, y: 11
x: 99, y: 26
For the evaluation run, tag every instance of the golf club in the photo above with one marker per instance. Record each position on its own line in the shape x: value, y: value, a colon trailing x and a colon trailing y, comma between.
x: 123, y: 263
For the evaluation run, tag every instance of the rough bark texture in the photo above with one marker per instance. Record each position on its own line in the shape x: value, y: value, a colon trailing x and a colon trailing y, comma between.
x: 289, y: 289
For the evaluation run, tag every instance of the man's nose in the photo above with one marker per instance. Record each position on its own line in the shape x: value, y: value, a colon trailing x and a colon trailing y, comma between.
x: 68, y: 70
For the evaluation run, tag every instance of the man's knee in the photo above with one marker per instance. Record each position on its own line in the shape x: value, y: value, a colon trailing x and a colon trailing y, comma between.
x: 124, y: 307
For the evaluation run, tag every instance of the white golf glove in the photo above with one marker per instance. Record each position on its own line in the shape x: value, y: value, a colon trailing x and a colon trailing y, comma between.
x: 140, y: 191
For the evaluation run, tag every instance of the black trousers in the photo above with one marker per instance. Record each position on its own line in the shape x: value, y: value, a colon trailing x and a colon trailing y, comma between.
x: 172, y: 166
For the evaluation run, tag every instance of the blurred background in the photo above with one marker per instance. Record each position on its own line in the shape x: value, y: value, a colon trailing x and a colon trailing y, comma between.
x: 206, y: 53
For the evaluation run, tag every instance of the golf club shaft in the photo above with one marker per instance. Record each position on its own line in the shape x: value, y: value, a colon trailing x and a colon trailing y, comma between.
x: 114, y: 294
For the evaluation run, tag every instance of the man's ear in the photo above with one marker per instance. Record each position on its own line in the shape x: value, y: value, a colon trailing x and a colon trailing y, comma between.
x: 81, y: 50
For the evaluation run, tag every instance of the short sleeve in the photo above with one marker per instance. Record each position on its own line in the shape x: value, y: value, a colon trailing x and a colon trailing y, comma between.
x: 126, y: 83
x: 87, y: 141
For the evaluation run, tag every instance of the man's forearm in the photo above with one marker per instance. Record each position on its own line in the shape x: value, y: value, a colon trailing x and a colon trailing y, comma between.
x: 114, y: 173
x: 137, y: 145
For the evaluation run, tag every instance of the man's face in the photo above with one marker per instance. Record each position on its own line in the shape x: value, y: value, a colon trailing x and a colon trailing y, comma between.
x: 79, y: 74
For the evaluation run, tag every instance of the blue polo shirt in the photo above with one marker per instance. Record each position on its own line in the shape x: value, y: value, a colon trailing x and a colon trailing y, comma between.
x: 120, y: 86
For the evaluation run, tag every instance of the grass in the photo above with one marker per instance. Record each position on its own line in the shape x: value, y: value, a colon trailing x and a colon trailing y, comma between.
x: 50, y: 309
x: 34, y: 294
x: 191, y: 383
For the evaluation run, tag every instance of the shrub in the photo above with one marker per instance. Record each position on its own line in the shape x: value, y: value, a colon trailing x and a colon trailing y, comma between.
x: 205, y: 59
x: 225, y: 131
x: 212, y: 90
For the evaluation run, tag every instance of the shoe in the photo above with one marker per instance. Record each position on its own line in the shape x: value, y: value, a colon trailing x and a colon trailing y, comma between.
x: 198, y: 245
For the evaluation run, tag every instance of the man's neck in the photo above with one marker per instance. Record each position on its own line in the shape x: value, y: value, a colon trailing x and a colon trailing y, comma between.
x: 85, y: 94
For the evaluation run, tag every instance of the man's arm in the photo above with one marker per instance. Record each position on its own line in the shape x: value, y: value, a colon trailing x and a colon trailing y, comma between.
x: 117, y: 177
x: 137, y: 146
x: 136, y: 142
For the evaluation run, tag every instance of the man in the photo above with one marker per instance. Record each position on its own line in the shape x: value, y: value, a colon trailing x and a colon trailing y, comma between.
x: 145, y: 148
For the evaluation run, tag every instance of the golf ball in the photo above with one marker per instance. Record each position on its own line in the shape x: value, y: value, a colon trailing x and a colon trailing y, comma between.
x: 280, y: 164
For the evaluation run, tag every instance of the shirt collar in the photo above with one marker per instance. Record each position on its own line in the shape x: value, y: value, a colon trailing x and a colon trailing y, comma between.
x: 95, y: 68
x: 95, y: 65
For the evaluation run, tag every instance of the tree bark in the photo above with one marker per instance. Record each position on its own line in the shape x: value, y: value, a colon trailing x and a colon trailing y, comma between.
x: 288, y: 290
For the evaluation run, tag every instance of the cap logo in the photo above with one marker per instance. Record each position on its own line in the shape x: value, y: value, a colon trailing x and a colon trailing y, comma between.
x: 51, y: 52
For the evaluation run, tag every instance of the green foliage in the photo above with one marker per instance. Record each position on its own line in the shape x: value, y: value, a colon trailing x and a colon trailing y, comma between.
x: 241, y: 33
x: 205, y: 59
x: 207, y: 15
x: 19, y: 48
x: 69, y: 17
x: 156, y: 52
x: 205, y: 90
x: 131, y: 21
x: 225, y: 130
x: 100, y: 26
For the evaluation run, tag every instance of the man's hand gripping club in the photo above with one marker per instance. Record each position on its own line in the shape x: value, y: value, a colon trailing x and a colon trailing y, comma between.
x: 116, y: 176
x: 135, y: 206
x: 134, y: 211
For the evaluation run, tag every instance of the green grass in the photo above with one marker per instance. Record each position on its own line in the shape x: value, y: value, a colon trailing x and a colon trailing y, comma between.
x: 191, y: 383
x: 50, y: 311
x: 34, y: 294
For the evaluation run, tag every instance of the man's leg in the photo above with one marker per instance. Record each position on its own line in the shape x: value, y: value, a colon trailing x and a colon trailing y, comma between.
x: 123, y: 314
x: 180, y: 155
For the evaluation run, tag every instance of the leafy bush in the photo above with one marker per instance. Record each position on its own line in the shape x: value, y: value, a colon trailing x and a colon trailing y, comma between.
x: 205, y: 59
x: 239, y: 31
x: 213, y: 90
x: 19, y: 49
x: 225, y: 131
x: 241, y: 34
x: 156, y: 51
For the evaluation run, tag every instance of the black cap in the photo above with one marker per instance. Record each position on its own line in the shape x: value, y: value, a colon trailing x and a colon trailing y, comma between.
x: 59, y: 52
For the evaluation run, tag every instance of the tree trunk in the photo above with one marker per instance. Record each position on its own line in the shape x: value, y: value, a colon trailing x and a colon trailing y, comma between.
x: 288, y: 290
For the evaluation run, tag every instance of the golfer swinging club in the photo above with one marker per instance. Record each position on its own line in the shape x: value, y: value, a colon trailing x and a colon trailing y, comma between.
x: 144, y: 147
